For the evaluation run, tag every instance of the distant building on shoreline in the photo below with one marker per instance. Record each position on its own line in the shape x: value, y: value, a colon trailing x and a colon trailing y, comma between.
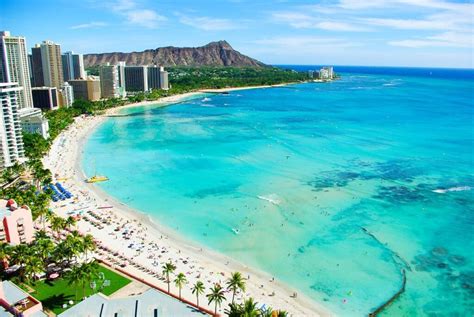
x: 326, y: 73
x: 45, y: 98
x: 14, y: 66
x: 11, y: 140
x: 86, y: 89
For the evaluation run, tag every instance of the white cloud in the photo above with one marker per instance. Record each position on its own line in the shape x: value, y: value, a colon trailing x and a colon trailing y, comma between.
x: 304, y: 21
x: 208, y: 23
x: 447, y: 39
x: 88, y: 25
x: 136, y: 15
x: 305, y: 43
x: 410, y: 24
x: 144, y: 17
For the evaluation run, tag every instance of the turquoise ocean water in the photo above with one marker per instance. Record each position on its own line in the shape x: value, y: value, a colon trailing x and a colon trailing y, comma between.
x: 334, y: 188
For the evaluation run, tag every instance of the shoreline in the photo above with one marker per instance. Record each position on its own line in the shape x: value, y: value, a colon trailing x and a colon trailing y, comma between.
x: 65, y: 160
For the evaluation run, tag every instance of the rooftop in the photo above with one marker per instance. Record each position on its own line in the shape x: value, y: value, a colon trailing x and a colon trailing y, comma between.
x: 150, y: 303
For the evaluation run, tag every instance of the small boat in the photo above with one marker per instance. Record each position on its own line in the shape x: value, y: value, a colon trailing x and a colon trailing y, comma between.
x: 236, y: 231
x: 96, y: 179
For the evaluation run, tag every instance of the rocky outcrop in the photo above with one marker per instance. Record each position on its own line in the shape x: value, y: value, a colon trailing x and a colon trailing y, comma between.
x: 213, y: 54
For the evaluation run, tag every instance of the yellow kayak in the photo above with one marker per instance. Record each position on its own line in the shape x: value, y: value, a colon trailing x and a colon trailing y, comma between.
x: 96, y: 179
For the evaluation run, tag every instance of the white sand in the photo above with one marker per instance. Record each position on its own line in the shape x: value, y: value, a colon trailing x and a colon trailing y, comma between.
x: 153, y: 244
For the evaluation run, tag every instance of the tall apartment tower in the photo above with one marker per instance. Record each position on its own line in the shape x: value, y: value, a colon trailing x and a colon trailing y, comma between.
x: 37, y: 67
x: 121, y: 71
x: 110, y: 82
x: 153, y: 77
x: 73, y: 66
x: 52, y: 64
x: 136, y: 78
x: 11, y: 141
x: 67, y: 95
x: 164, y: 84
x: 14, y: 66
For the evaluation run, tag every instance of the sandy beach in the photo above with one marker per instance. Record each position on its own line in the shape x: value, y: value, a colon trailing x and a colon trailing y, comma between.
x: 129, y: 236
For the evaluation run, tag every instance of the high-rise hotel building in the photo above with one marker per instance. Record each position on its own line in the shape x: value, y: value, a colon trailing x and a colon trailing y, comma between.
x: 136, y: 78
x: 14, y: 66
x: 110, y: 82
x: 52, y: 64
x: 11, y: 141
x: 73, y: 66
x: 47, y: 65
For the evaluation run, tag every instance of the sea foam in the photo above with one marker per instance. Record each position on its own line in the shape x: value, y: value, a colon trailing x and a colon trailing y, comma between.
x: 272, y: 198
x: 452, y: 189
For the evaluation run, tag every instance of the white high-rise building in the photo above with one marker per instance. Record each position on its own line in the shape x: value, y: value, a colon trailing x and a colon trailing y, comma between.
x: 14, y: 67
x: 67, y: 95
x: 164, y: 84
x: 121, y: 71
x: 11, y: 141
x: 110, y: 82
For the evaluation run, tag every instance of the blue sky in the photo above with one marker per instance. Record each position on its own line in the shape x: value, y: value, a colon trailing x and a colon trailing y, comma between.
x: 340, y: 32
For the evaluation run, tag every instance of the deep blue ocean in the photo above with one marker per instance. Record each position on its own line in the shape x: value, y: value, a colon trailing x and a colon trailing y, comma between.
x: 335, y: 188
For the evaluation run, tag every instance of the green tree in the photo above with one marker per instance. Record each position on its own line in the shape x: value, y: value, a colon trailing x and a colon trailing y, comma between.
x: 234, y: 283
x: 198, y: 289
x: 32, y: 266
x: 84, y: 274
x: 57, y: 225
x: 88, y: 244
x: 216, y: 296
x: 70, y: 222
x: 250, y: 308
x: 20, y: 255
x: 5, y: 251
x: 44, y: 248
x: 180, y: 281
x: 168, y: 268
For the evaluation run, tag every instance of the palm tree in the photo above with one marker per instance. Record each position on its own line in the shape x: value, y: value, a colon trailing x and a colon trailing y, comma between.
x: 282, y: 313
x: 250, y: 308
x: 77, y: 276
x: 57, y: 224
x: 88, y: 244
x: 5, y: 251
x: 180, y: 281
x: 33, y: 265
x: 20, y: 255
x: 198, y: 289
x: 83, y: 274
x: 41, y: 234
x: 167, y: 269
x: 217, y: 296
x: 235, y: 310
x: 70, y: 222
x: 235, y: 283
x: 44, y: 247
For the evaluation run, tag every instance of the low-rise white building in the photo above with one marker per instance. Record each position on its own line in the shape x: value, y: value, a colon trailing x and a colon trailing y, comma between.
x: 33, y: 121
